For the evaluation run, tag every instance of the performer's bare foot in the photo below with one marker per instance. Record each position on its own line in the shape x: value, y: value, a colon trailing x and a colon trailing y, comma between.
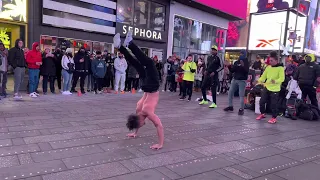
x: 156, y: 146
x: 132, y: 135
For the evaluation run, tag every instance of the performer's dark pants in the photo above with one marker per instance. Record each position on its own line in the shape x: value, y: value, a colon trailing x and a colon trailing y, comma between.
x: 211, y: 82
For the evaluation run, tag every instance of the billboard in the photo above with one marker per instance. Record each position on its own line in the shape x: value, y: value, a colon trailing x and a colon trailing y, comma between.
x: 238, y: 32
x: 258, y: 6
x: 265, y: 31
x: 312, y: 43
x: 268, y: 30
x: 236, y: 8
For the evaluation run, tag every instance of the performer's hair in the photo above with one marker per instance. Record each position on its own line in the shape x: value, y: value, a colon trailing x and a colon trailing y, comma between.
x: 133, y: 122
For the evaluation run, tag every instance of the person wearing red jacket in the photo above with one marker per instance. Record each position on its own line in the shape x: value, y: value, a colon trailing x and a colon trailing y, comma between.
x: 34, y: 61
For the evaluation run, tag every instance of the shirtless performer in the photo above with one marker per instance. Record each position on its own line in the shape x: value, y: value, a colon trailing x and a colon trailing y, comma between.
x: 148, y: 73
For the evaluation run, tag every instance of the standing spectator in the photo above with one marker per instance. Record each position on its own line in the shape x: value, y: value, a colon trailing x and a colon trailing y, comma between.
x: 3, y: 69
x: 109, y: 77
x: 68, y: 67
x: 90, y: 78
x: 179, y: 77
x: 272, y: 77
x: 173, y: 72
x: 34, y: 61
x: 120, y: 64
x: 48, y: 71
x: 166, y: 76
x: 158, y: 66
x: 133, y: 79
x: 16, y: 59
x: 81, y: 61
x: 211, y: 77
x: 189, y: 68
x: 57, y: 61
x: 99, y: 69
x: 257, y: 64
x: 306, y: 76
x: 240, y: 70
x: 199, y: 74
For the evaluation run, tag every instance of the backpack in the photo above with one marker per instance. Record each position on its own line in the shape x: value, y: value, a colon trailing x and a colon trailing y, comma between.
x: 308, y: 112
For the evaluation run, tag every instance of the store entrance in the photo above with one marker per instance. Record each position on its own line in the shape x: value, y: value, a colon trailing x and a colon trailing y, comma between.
x: 197, y: 56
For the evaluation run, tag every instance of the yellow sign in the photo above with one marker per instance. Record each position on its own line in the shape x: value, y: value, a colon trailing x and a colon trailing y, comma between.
x: 15, y: 10
x: 4, y: 37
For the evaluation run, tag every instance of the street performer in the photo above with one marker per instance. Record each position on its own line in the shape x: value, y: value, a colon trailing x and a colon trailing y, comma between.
x: 148, y: 73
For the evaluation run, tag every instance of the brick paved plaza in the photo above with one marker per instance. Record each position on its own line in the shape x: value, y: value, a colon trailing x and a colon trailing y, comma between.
x: 83, y: 138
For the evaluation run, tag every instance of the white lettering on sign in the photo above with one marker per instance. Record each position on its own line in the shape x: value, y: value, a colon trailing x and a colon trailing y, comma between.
x: 142, y: 32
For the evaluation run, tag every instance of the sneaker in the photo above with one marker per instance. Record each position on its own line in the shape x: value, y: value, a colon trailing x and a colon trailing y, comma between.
x: 69, y: 93
x: 133, y: 91
x: 73, y: 91
x: 17, y: 97
x: 65, y: 93
x: 122, y: 92
x: 128, y: 38
x: 227, y: 109
x: 99, y: 92
x: 241, y: 112
x: 44, y: 93
x: 261, y: 116
x: 117, y: 41
x: 203, y: 102
x: 95, y: 92
x: 189, y: 99
x: 37, y: 94
x: 213, y: 105
x: 272, y: 121
x: 33, y: 95
x: 140, y: 91
x: 182, y: 98
x: 116, y: 92
x: 163, y: 91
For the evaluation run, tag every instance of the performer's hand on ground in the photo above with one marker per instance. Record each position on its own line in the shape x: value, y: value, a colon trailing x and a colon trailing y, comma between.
x: 156, y: 146
x: 132, y: 135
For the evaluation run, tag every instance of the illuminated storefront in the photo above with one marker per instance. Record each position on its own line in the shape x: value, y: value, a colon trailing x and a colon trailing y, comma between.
x: 13, y: 21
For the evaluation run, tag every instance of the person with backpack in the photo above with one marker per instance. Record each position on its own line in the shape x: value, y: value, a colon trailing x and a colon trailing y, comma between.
x: 67, y: 71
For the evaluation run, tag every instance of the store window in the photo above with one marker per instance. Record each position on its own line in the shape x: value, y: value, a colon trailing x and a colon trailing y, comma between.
x: 75, y: 44
x: 195, y: 37
x: 9, y: 33
x: 142, y: 14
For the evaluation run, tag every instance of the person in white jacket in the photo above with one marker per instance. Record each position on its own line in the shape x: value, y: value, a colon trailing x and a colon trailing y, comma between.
x: 293, y: 87
x: 121, y: 65
x: 67, y: 71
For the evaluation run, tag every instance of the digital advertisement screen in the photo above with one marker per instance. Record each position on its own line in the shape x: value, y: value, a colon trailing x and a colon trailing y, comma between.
x: 265, y: 31
x: 300, y: 32
x: 312, y: 43
x: 258, y: 6
x: 236, y: 8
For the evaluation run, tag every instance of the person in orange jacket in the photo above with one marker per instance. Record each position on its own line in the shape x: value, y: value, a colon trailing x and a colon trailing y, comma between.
x: 34, y: 61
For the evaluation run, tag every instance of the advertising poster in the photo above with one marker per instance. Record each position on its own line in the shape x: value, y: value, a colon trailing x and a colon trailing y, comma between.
x: 258, y: 6
x: 236, y: 8
x: 312, y: 43
x: 238, y: 32
x: 13, y: 10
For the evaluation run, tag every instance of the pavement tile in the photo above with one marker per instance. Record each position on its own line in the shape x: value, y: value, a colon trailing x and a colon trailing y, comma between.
x: 11, y: 150
x: 110, y: 131
x: 269, y: 177
x: 20, y: 134
x: 198, y: 166
x: 259, y: 152
x: 172, y: 175
x: 306, y: 171
x: 31, y: 170
x: 268, y: 139
x: 158, y: 160
x: 128, y: 143
x: 269, y: 165
x: 34, y: 127
x: 225, y: 137
x: 221, y: 148
x: 9, y: 161
x: 26, y: 118
x: 130, y: 165
x: 142, y: 175
x: 5, y: 142
x: 303, y: 155
x: 94, y: 172
x: 25, y: 158
x: 212, y: 175
x: 97, y: 158
x: 192, y: 134
x: 297, y: 144
x: 64, y: 153
x: 53, y: 137
x: 79, y: 142
x: 74, y: 129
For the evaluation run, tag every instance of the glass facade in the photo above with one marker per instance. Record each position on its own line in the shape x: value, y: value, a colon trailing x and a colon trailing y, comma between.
x: 194, y: 37
x: 143, y: 14
x: 64, y: 43
x: 9, y: 33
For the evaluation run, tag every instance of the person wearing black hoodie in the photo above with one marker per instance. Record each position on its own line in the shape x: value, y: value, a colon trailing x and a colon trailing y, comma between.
x: 57, y: 61
x: 109, y: 77
x: 17, y: 60
x: 48, y: 71
x: 240, y: 70
x: 82, y: 65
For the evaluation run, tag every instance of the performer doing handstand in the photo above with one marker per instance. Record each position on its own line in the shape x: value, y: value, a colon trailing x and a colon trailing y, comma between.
x: 148, y: 73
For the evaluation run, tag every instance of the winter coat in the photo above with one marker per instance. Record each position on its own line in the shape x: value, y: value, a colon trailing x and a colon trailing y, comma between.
x: 132, y: 72
x: 120, y: 64
x: 240, y: 72
x: 16, y: 56
x: 98, y: 68
x: 307, y: 74
x: 48, y: 67
x: 4, y: 60
x: 110, y: 66
x: 34, y: 57
x: 82, y: 66
x: 57, y: 61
